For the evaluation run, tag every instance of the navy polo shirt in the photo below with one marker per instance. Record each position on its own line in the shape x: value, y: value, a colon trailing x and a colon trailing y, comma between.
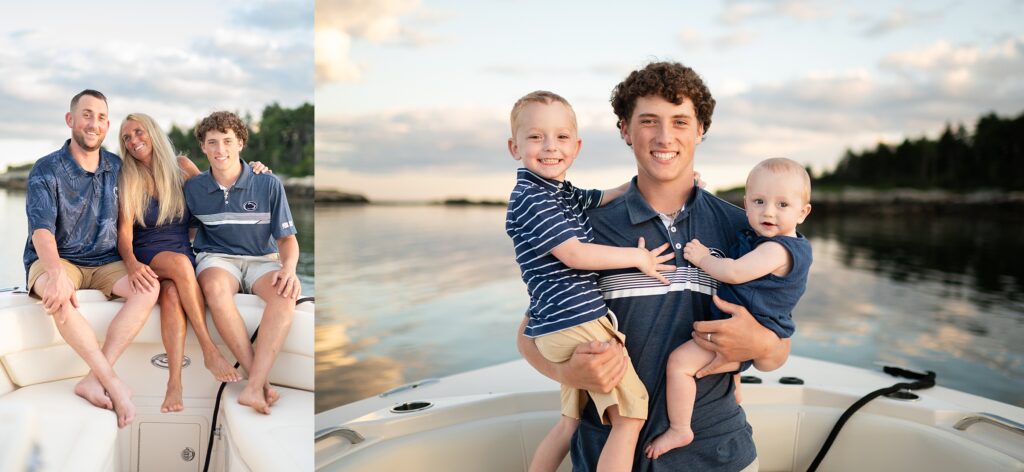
x: 658, y: 318
x: 78, y: 207
x: 541, y: 215
x: 246, y: 219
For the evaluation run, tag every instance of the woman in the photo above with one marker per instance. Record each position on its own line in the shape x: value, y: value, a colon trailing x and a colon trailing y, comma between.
x: 154, y: 243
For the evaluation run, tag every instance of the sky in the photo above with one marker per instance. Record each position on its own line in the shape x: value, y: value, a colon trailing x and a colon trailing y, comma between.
x: 413, y: 96
x: 176, y: 61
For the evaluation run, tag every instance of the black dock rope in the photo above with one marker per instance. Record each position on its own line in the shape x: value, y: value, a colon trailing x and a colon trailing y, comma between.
x: 920, y: 381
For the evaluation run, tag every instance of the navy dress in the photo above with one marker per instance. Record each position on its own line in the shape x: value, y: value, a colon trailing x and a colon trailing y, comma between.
x: 151, y: 240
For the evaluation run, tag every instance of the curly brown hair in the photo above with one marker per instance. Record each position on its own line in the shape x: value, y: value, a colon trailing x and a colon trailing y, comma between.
x: 222, y: 121
x: 669, y: 80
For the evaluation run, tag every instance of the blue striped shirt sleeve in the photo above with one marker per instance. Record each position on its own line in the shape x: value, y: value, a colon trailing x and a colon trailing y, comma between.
x: 540, y: 221
x: 281, y: 222
x: 590, y: 198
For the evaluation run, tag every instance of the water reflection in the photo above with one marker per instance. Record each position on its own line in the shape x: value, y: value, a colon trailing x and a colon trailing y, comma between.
x: 409, y: 292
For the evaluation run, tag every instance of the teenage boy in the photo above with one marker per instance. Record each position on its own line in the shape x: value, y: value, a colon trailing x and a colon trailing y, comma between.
x: 245, y: 241
x: 72, y: 217
x: 663, y: 112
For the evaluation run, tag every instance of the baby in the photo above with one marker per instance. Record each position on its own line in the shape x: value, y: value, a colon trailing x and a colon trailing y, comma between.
x: 768, y: 277
x: 552, y: 238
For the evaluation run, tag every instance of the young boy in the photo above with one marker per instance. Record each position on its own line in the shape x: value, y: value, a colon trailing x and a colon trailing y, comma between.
x: 768, y: 277
x: 552, y: 237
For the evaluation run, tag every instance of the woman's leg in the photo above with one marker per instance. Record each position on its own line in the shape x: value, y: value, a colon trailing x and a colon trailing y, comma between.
x: 172, y: 331
x: 178, y: 268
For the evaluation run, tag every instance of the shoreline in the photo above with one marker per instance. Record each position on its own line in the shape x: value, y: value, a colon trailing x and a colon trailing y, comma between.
x: 297, y: 188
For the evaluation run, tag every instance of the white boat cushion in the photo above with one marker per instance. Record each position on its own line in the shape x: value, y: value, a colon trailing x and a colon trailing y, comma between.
x: 72, y: 433
x: 280, y: 441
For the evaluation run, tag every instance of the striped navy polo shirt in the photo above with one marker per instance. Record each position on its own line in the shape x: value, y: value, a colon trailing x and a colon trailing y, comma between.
x: 246, y: 219
x: 658, y: 318
x: 541, y: 215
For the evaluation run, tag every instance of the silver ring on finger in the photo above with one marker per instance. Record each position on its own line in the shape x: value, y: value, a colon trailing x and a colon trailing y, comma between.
x: 709, y: 338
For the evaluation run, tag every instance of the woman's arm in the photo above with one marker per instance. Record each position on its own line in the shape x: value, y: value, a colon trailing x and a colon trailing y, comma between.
x: 188, y: 168
x: 140, y: 275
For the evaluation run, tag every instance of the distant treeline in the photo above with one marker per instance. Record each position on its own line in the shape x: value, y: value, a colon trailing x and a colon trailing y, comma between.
x: 282, y: 139
x: 991, y: 158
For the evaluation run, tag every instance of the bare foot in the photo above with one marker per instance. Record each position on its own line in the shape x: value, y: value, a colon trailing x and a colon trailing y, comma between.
x: 255, y: 399
x: 92, y: 390
x: 121, y: 396
x: 172, y: 399
x: 271, y: 394
x: 669, y: 440
x: 220, y: 367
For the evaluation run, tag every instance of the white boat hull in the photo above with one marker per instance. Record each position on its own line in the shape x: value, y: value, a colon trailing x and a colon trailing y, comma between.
x: 492, y: 419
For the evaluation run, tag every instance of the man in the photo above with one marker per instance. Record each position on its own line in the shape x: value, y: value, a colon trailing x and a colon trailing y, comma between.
x: 244, y: 223
x: 664, y: 110
x: 72, y: 216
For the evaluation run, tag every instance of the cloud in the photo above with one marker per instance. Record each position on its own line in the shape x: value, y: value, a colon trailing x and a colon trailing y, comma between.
x: 811, y: 118
x: 179, y: 81
x: 737, y: 12
x: 341, y: 23
x: 515, y: 70
x: 899, y: 19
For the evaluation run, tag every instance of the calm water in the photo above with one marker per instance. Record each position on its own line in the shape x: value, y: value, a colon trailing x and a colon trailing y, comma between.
x: 944, y: 294
x: 12, y: 240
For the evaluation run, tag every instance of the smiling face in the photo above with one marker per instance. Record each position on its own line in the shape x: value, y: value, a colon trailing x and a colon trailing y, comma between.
x: 137, y: 141
x: 663, y: 136
x: 222, y: 149
x: 88, y: 122
x: 775, y: 202
x: 545, y: 139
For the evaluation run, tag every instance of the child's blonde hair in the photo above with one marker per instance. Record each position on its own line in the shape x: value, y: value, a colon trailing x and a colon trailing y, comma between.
x: 782, y: 165
x: 538, y: 96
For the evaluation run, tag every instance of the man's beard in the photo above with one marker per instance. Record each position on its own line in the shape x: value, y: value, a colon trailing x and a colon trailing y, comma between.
x: 80, y: 140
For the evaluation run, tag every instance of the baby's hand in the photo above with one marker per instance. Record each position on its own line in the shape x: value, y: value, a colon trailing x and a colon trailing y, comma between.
x: 652, y: 261
x: 695, y: 251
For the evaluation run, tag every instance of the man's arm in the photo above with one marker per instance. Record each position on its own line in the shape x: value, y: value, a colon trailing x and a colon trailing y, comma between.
x: 739, y: 338
x: 58, y: 289
x: 594, y: 366
x: 285, y: 280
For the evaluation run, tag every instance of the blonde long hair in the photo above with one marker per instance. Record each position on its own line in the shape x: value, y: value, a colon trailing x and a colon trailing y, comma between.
x: 137, y: 182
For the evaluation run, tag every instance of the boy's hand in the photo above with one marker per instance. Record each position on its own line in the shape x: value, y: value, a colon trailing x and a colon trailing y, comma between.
x: 287, y: 283
x: 651, y: 261
x: 695, y: 251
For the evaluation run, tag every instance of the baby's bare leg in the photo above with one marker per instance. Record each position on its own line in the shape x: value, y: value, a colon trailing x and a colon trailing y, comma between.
x: 617, y: 454
x: 681, y: 388
x: 555, y: 446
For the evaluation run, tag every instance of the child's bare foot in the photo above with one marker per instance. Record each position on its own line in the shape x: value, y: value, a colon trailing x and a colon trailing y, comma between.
x: 669, y: 440
x: 255, y: 399
x: 92, y: 390
x: 222, y: 370
x: 121, y: 397
x: 271, y: 394
x: 172, y: 399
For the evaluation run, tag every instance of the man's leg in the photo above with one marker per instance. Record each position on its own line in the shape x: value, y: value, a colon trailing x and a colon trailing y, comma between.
x: 219, y: 287
x: 274, y: 327
x: 172, y: 332
x: 122, y: 330
x: 178, y: 268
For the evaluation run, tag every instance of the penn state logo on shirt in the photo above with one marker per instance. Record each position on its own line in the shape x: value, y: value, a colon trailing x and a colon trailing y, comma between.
x: 249, y: 206
x: 716, y: 252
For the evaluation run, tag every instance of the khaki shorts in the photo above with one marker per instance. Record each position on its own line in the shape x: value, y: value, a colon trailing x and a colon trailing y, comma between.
x: 245, y: 269
x: 101, y: 278
x: 630, y: 395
